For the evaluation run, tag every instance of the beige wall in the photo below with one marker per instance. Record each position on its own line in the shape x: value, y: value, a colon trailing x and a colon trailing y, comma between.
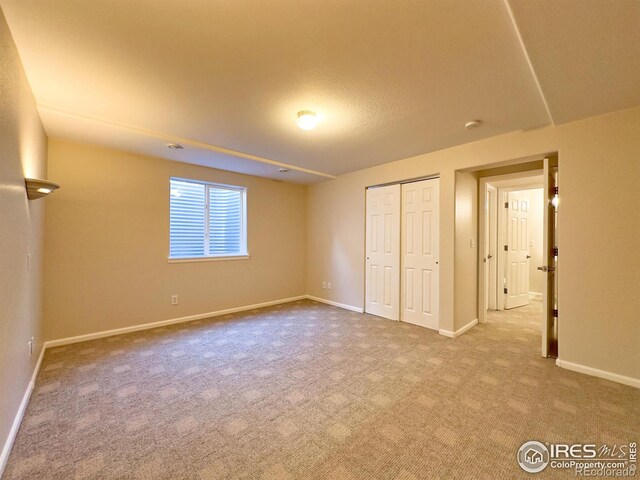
x: 598, y: 232
x: 466, y: 259
x: 108, y: 238
x: 23, y: 152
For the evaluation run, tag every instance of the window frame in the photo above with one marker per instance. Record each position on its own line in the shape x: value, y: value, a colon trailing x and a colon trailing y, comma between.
x: 243, y: 254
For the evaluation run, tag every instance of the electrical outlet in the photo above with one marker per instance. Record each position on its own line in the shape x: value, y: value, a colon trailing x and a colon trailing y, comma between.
x: 30, y: 344
x: 324, y: 284
x: 329, y: 285
x: 174, y: 299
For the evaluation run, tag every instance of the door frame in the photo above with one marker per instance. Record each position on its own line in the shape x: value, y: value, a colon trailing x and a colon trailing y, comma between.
x: 505, y: 183
x: 491, y: 247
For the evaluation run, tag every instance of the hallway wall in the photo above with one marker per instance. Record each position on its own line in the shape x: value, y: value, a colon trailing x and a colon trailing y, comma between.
x: 23, y: 153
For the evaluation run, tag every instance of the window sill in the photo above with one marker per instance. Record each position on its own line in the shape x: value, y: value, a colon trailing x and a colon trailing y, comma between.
x: 208, y: 259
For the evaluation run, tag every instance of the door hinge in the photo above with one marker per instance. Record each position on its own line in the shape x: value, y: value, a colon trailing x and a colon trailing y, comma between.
x: 506, y: 204
x: 506, y: 248
x: 554, y: 251
x: 555, y: 190
x: 555, y: 313
x: 506, y: 291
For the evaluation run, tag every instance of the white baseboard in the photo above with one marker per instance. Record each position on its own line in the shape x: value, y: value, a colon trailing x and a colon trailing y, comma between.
x: 535, y: 295
x: 162, y: 323
x: 6, y: 450
x: 335, y: 304
x: 594, y: 372
x: 457, y: 333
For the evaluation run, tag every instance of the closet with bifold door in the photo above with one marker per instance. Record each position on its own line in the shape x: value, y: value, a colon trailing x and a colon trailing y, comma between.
x: 402, y: 256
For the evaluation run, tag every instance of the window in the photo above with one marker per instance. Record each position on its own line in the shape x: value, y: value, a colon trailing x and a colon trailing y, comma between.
x: 206, y: 220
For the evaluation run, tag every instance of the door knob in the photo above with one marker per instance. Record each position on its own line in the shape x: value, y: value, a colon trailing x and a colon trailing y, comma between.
x: 489, y: 257
x: 544, y: 268
x: 528, y: 256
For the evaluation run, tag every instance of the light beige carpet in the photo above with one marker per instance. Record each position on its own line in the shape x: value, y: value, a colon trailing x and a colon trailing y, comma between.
x: 307, y: 391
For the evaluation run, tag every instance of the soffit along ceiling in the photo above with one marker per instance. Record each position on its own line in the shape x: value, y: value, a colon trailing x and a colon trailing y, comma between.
x: 389, y: 79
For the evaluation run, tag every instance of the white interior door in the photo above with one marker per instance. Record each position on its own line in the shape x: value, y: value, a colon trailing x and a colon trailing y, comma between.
x: 420, y: 269
x: 550, y: 256
x: 517, y: 268
x: 383, y: 252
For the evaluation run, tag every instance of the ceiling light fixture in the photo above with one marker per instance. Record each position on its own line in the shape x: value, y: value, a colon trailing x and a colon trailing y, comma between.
x: 174, y: 146
x: 37, y: 188
x: 307, y: 120
x: 472, y: 124
x: 283, y: 170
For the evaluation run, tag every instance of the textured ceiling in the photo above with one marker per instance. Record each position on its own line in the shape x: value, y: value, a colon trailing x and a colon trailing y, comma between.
x: 586, y: 53
x: 389, y: 79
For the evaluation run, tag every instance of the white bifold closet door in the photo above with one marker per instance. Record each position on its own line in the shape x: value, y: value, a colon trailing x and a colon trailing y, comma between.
x: 383, y: 252
x: 420, y: 253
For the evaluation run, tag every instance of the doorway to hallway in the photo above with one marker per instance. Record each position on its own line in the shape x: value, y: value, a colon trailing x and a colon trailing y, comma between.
x: 518, y: 249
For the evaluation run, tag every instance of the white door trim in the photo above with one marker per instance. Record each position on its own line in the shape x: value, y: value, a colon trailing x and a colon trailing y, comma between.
x: 483, y: 262
x: 492, y: 248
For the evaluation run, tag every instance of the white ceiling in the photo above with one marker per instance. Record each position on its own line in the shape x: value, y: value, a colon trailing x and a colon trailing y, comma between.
x: 390, y: 79
x: 586, y: 53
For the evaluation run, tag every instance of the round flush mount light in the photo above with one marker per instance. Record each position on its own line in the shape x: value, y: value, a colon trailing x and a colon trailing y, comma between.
x: 283, y: 170
x: 174, y: 146
x: 307, y: 120
x: 472, y: 124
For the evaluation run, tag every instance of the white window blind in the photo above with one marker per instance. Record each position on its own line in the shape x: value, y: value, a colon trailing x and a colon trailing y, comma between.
x: 206, y: 220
